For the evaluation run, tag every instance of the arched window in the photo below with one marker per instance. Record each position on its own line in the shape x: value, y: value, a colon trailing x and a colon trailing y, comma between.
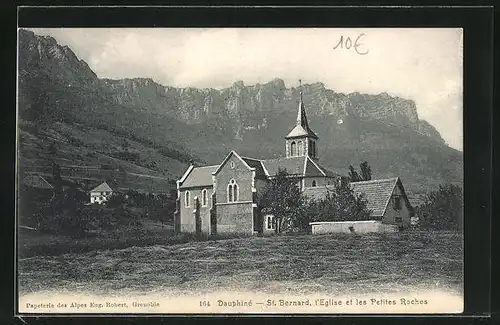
x: 235, y: 194
x: 204, y: 197
x: 300, y: 148
x: 313, y: 183
x: 232, y: 191
x: 186, y: 199
x: 293, y: 149
x: 314, y: 149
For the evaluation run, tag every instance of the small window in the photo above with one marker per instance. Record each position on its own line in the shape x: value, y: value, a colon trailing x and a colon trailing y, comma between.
x: 232, y: 164
x: 399, y: 219
x: 186, y: 199
x: 313, y: 183
x: 270, y: 224
x: 204, y: 198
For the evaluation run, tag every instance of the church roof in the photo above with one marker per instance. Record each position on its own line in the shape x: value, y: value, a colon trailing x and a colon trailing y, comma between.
x: 324, y: 171
x: 302, y: 128
x: 302, y: 166
x: 292, y: 165
x: 376, y: 192
x: 260, y: 170
x: 103, y: 187
x: 199, y: 176
x: 299, y: 131
x: 37, y: 181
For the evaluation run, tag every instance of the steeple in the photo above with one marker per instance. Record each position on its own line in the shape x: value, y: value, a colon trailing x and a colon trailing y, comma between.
x: 302, y: 127
x: 301, y: 116
x: 301, y: 140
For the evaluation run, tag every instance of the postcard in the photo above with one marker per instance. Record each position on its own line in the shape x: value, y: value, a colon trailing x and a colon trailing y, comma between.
x: 240, y: 171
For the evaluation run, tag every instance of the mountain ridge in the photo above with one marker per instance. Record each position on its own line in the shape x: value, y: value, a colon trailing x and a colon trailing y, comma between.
x: 332, y: 103
x: 205, y: 124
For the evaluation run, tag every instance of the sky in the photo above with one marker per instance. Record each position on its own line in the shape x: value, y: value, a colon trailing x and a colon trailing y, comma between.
x: 421, y: 64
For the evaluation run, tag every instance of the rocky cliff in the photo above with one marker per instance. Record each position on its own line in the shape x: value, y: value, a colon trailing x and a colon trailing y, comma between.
x: 248, y: 105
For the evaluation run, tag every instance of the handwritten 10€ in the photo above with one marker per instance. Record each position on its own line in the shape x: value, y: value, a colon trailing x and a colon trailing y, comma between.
x: 347, y: 43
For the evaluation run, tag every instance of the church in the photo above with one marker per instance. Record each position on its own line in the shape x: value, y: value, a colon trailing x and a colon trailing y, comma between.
x: 222, y: 198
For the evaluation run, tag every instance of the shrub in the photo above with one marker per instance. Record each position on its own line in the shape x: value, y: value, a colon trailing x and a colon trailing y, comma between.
x: 340, y: 204
x: 442, y: 209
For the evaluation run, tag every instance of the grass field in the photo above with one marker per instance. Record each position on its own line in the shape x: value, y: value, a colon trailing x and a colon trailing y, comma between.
x: 330, y: 264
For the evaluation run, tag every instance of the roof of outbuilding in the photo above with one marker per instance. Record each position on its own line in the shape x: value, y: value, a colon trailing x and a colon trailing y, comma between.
x: 318, y: 192
x: 103, y: 187
x: 376, y: 192
x: 37, y: 181
x: 199, y: 176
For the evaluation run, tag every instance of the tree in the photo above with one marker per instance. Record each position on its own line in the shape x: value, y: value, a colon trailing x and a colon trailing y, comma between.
x: 339, y: 204
x: 282, y: 198
x: 442, y: 209
x: 353, y: 174
x: 366, y: 171
x: 116, y: 200
x: 64, y: 214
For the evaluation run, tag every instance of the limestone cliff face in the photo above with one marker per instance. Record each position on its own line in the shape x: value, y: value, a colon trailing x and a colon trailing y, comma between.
x: 243, y: 105
x: 249, y: 105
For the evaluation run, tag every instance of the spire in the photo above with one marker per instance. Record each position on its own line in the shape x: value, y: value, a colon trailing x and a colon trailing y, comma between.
x: 302, y: 127
x: 301, y: 115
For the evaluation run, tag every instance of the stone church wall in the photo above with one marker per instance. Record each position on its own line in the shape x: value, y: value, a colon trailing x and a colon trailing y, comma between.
x: 234, y: 217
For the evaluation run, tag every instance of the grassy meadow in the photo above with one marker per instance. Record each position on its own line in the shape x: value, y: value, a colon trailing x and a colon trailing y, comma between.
x: 330, y: 264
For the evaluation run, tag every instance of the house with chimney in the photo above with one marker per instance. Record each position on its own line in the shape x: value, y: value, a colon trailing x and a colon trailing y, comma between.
x: 222, y: 198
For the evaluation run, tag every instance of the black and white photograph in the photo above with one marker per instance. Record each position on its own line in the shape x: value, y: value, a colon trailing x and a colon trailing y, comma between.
x: 240, y: 170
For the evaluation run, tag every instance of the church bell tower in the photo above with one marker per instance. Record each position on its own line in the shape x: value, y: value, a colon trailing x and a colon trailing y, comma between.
x: 301, y: 141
